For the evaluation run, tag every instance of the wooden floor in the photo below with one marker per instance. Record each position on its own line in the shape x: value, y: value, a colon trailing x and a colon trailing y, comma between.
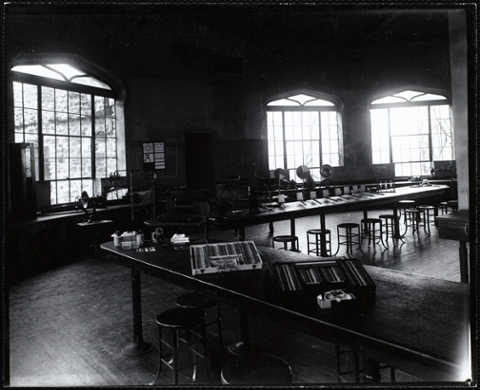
x: 68, y: 325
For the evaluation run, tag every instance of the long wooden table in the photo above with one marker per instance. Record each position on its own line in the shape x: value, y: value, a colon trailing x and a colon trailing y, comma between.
x: 322, y: 206
x: 413, y: 321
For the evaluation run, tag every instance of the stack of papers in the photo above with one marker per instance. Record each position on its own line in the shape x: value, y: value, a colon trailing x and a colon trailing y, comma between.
x: 180, y: 239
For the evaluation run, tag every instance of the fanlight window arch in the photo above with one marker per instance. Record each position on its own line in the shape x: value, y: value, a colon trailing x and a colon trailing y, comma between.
x: 411, y: 129
x: 303, y: 129
x: 71, y: 116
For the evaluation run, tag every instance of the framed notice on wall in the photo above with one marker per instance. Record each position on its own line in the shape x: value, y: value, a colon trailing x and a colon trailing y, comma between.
x: 153, y: 156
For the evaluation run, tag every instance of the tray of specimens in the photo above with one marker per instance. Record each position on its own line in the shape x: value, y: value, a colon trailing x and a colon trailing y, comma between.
x: 224, y: 257
x: 323, y: 275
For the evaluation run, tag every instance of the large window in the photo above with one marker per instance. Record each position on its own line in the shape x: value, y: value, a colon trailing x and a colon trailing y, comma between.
x: 411, y: 129
x: 71, y: 119
x: 303, y: 130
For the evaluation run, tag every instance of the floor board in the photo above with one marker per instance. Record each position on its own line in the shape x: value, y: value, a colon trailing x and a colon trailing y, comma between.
x: 68, y: 325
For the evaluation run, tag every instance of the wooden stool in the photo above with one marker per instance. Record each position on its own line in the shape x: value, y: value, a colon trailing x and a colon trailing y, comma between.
x: 285, y: 239
x: 317, y: 240
x: 197, y: 301
x: 412, y: 219
x: 428, y: 211
x: 351, y: 236
x: 176, y: 320
x: 256, y: 369
x: 390, y: 227
x: 443, y: 206
x: 403, y: 205
x: 369, y: 230
x: 353, y: 357
x: 453, y: 204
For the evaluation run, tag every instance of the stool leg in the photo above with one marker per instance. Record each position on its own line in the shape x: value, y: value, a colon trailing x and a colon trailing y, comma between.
x: 175, y: 345
x: 192, y: 357
x: 338, y: 240
x: 381, y: 236
x: 219, y: 324
x: 160, y: 351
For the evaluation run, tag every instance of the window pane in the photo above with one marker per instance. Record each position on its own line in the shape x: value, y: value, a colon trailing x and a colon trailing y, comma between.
x: 100, y: 168
x: 48, y: 122
x: 86, y: 167
x: 75, y: 190
x: 30, y: 96
x: 100, y: 150
x: 86, y: 147
x: 86, y: 125
x: 17, y: 94
x: 99, y: 126
x: 75, y: 147
x: 61, y: 100
x: 111, y: 166
x: 62, y: 147
x: 111, y: 147
x: 75, y: 168
x: 63, y: 191
x: 74, y: 124
x: 19, y: 120
x: 49, y: 168
x: 110, y: 127
x: 48, y: 99
x: 62, y: 168
x: 53, y: 192
x: 86, y: 103
x: 99, y: 106
x: 31, y: 119
x: 18, y: 137
x: 49, y: 146
x: 61, y: 124
x: 73, y: 102
x: 87, y: 185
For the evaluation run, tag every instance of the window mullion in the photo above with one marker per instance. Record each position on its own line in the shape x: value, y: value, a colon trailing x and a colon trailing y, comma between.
x: 41, y: 165
x: 390, y: 143
x: 320, y: 153
x: 92, y: 153
x: 430, y: 139
x: 284, y: 142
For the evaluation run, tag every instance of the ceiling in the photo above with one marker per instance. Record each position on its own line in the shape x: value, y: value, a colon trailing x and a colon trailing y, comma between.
x: 352, y: 24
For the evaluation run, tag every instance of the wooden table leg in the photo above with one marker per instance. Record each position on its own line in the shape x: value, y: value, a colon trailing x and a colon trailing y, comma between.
x: 371, y: 370
x: 292, y: 232
x: 244, y: 346
x: 137, y: 347
x: 323, y: 236
x: 463, y: 255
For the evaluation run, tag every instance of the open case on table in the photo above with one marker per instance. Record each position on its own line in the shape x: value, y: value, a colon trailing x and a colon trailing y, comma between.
x: 293, y: 279
x: 224, y: 257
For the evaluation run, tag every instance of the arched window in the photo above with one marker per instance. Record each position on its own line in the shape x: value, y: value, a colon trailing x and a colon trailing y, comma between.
x: 74, y: 119
x: 303, y: 130
x: 411, y: 129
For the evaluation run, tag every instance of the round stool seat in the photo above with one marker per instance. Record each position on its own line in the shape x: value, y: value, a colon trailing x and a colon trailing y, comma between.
x: 349, y: 225
x: 406, y: 202
x: 195, y: 301
x: 285, y: 238
x: 180, y: 318
x: 317, y: 231
x: 426, y: 207
x: 371, y: 220
x: 256, y: 370
x: 387, y: 216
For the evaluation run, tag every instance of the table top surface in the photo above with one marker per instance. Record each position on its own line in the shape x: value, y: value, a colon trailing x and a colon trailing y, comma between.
x: 358, y: 201
x: 410, y: 318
